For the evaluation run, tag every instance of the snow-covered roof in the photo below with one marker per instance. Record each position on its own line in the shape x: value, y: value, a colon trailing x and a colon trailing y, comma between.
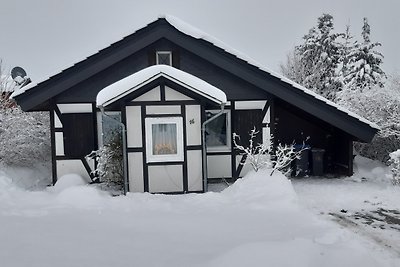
x: 135, y: 81
x: 198, y: 34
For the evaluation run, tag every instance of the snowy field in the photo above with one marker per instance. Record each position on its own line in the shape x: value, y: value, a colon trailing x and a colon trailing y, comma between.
x: 258, y: 221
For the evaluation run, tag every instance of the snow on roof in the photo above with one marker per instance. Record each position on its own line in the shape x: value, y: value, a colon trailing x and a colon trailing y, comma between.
x: 198, y: 34
x: 135, y: 81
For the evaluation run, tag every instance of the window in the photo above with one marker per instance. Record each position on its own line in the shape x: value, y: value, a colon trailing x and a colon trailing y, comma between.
x: 164, y: 58
x: 218, y: 131
x: 164, y: 139
x: 108, y: 129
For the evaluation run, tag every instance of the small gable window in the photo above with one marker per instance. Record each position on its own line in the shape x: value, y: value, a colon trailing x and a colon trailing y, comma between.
x: 164, y: 58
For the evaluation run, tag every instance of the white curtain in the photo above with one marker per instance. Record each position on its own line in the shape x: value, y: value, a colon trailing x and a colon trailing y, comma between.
x: 164, y: 139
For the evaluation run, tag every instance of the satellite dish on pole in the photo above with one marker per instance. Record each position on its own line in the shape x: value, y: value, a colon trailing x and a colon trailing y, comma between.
x: 19, y: 76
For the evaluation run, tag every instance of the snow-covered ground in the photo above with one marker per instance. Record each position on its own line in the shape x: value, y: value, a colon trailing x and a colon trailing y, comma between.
x: 258, y: 221
x: 367, y: 203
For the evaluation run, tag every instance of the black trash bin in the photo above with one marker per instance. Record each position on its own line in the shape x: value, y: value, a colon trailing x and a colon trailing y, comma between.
x: 317, y: 161
x: 302, y: 165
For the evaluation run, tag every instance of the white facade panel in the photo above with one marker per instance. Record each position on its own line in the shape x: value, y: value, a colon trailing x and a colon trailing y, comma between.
x: 259, y: 104
x: 194, y: 166
x: 219, y: 166
x: 135, y: 171
x: 72, y: 166
x: 193, y: 125
x: 57, y: 122
x: 152, y: 110
x: 75, y: 108
x: 173, y: 95
x: 59, y: 143
x: 134, y: 126
x: 152, y: 95
x: 165, y: 178
x: 266, y: 136
x: 267, y: 117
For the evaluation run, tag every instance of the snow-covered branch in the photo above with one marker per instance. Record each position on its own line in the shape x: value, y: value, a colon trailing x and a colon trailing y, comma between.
x: 260, y: 155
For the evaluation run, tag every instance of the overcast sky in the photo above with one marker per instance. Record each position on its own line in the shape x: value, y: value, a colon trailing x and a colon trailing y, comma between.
x: 45, y: 36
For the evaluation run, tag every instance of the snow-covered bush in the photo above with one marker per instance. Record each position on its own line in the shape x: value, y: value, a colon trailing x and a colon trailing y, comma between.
x: 256, y: 154
x: 109, y: 161
x: 395, y: 166
x: 260, y: 156
x: 381, y: 106
x: 24, y: 137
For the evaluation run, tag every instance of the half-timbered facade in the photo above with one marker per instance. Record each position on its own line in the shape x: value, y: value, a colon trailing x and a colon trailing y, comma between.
x: 178, y: 136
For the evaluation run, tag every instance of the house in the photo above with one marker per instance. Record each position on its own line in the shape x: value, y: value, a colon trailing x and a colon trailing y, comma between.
x: 181, y: 94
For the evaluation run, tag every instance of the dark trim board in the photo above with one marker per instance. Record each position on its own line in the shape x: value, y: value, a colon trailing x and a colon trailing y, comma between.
x: 135, y: 149
x: 53, y: 148
x: 185, y: 166
x: 164, y: 115
x: 165, y: 163
x: 145, y: 169
x: 210, y: 153
x: 199, y: 147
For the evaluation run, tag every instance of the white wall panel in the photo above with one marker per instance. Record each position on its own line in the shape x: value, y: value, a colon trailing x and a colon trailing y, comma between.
x: 135, y: 170
x: 134, y: 126
x: 163, y: 110
x: 75, y: 108
x: 219, y: 166
x: 173, y: 95
x: 267, y: 117
x: 59, y: 143
x: 152, y: 95
x: 57, y: 122
x: 194, y: 166
x: 166, y: 178
x: 72, y: 166
x: 266, y: 136
x: 259, y: 104
x: 193, y: 125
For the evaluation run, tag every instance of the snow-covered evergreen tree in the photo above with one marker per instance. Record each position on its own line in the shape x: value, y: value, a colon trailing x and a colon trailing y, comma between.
x: 320, y: 56
x: 347, y: 49
x: 365, y: 63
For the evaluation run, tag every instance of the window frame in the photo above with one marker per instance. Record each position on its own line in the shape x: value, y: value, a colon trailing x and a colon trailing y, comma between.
x: 228, y: 146
x: 150, y: 157
x: 164, y: 53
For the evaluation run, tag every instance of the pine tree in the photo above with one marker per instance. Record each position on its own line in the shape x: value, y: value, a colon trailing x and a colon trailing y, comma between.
x: 320, y: 55
x: 347, y: 49
x: 364, y: 70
